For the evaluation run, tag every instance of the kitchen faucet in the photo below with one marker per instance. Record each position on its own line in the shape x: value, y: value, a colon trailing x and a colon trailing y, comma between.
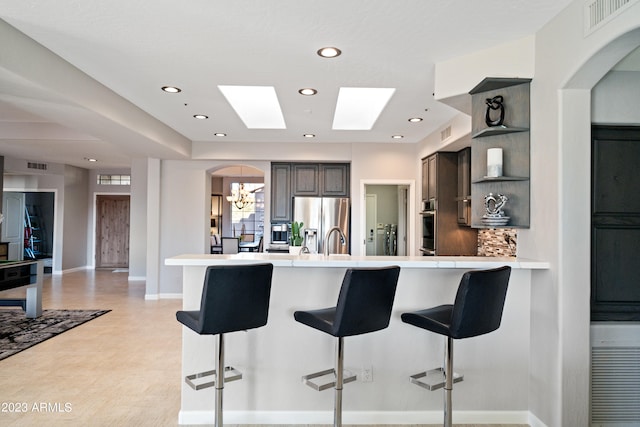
x: 343, y: 238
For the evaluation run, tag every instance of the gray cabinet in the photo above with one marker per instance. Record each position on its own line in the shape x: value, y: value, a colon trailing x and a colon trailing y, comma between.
x: 334, y: 179
x: 281, y: 204
x: 513, y: 138
x: 464, y: 187
x: 290, y: 180
x: 440, y: 182
x: 305, y: 179
x: 430, y: 177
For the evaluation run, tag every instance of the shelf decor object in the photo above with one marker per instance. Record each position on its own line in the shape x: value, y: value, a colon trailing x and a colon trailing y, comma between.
x: 494, y: 162
x: 495, y: 103
x: 495, y: 216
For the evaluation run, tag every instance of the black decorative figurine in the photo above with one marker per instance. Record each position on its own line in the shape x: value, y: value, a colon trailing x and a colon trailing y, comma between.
x: 495, y: 103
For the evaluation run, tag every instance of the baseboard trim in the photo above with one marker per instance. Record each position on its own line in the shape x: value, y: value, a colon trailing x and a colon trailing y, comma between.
x: 353, y: 417
x: 155, y: 297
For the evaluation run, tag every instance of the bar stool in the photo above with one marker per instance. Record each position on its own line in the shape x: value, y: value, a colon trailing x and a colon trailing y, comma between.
x: 234, y: 298
x: 477, y: 310
x: 364, y: 305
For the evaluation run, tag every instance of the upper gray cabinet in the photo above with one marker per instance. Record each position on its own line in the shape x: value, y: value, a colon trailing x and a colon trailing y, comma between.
x: 281, y: 206
x: 334, y: 179
x: 290, y: 180
x: 512, y: 137
x: 305, y: 179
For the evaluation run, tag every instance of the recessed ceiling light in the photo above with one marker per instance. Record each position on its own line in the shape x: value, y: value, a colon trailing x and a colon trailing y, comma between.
x: 415, y: 119
x: 257, y: 106
x: 309, y: 135
x: 329, y: 52
x: 200, y: 116
x: 397, y: 136
x: 358, y: 108
x: 220, y: 134
x: 171, y: 89
x: 89, y: 159
x: 307, y: 91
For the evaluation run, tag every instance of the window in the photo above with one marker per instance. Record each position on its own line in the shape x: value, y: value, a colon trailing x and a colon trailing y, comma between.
x: 114, y: 179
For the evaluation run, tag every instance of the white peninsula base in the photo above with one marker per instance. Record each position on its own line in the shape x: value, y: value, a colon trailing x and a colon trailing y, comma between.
x: 274, y: 358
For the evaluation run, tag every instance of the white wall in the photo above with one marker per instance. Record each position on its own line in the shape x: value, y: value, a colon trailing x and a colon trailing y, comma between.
x: 615, y: 98
x: 75, y: 218
x: 567, y: 66
x: 138, y: 220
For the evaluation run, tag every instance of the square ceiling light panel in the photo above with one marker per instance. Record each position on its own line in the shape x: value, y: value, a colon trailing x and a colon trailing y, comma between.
x: 257, y: 106
x: 358, y: 108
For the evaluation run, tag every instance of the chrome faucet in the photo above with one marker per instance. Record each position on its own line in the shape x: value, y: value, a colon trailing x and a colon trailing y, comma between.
x: 343, y: 238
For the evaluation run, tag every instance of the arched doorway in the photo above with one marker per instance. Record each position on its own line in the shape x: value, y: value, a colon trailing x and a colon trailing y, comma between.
x: 243, y: 216
x: 574, y: 276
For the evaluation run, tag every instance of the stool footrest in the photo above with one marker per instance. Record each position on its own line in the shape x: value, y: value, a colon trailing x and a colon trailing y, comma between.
x: 348, y: 377
x: 433, y: 379
x: 231, y: 374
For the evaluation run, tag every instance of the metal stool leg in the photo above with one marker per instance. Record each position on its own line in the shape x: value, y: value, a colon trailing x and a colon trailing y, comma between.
x: 219, y: 380
x: 448, y: 388
x: 337, y: 411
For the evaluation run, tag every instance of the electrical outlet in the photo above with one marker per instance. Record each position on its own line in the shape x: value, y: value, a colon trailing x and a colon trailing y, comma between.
x: 366, y: 375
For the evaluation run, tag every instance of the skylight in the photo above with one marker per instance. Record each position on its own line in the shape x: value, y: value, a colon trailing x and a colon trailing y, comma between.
x: 358, y: 108
x: 257, y: 106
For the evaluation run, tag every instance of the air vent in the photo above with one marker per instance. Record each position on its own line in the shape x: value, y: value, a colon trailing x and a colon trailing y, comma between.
x: 445, y: 133
x: 615, y: 375
x: 599, y: 12
x: 38, y: 166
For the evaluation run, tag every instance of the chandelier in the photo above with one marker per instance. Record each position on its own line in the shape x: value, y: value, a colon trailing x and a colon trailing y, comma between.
x: 241, y: 198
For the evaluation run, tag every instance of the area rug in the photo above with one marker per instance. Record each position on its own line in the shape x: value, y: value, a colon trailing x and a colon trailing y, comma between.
x: 18, y: 333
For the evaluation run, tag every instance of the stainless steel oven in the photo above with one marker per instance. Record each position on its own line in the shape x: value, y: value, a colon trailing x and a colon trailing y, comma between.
x: 428, y: 218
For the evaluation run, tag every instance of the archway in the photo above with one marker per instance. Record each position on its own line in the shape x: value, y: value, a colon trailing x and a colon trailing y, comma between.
x: 574, y: 133
x: 245, y: 221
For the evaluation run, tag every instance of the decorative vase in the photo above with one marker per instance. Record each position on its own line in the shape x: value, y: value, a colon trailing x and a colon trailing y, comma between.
x: 295, y: 250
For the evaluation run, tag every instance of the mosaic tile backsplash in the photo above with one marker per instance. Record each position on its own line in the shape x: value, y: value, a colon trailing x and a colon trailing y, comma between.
x: 497, y: 242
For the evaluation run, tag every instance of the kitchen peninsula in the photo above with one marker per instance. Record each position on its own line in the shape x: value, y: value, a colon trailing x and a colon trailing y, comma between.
x: 275, y: 357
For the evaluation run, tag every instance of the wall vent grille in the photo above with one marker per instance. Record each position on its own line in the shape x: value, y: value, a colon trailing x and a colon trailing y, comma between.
x: 615, y: 374
x: 445, y: 134
x: 599, y: 12
x: 38, y: 166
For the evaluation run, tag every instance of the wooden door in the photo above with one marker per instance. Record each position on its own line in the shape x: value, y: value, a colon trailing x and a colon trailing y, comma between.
x: 615, y: 223
x: 112, y: 231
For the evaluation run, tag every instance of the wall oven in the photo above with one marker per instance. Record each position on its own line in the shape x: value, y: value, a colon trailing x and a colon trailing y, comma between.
x: 428, y: 219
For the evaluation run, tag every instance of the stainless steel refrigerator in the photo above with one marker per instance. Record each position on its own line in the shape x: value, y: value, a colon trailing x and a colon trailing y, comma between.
x: 319, y: 215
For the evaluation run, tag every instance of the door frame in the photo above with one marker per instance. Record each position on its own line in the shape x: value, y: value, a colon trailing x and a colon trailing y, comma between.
x: 411, y: 211
x: 95, y: 220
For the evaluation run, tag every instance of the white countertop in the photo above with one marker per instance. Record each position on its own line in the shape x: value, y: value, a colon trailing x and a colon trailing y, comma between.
x: 314, y: 260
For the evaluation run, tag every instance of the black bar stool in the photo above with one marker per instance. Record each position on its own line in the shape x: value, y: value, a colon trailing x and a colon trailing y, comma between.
x: 477, y: 310
x: 364, y: 305
x: 234, y: 298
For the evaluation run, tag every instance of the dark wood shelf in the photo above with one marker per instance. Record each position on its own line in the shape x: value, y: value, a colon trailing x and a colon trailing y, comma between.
x: 500, y: 178
x: 493, y: 83
x: 497, y: 130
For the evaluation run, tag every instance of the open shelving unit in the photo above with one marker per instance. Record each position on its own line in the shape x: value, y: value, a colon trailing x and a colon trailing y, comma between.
x: 514, y: 139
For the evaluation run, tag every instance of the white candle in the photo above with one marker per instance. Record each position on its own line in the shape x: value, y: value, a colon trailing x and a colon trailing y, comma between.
x: 494, y: 162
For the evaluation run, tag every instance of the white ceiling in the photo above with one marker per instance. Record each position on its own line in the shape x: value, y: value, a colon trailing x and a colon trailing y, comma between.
x: 134, y: 47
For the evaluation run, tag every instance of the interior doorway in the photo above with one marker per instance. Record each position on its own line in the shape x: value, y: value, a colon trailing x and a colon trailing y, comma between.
x: 28, y: 225
x: 112, y: 231
x: 386, y: 225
